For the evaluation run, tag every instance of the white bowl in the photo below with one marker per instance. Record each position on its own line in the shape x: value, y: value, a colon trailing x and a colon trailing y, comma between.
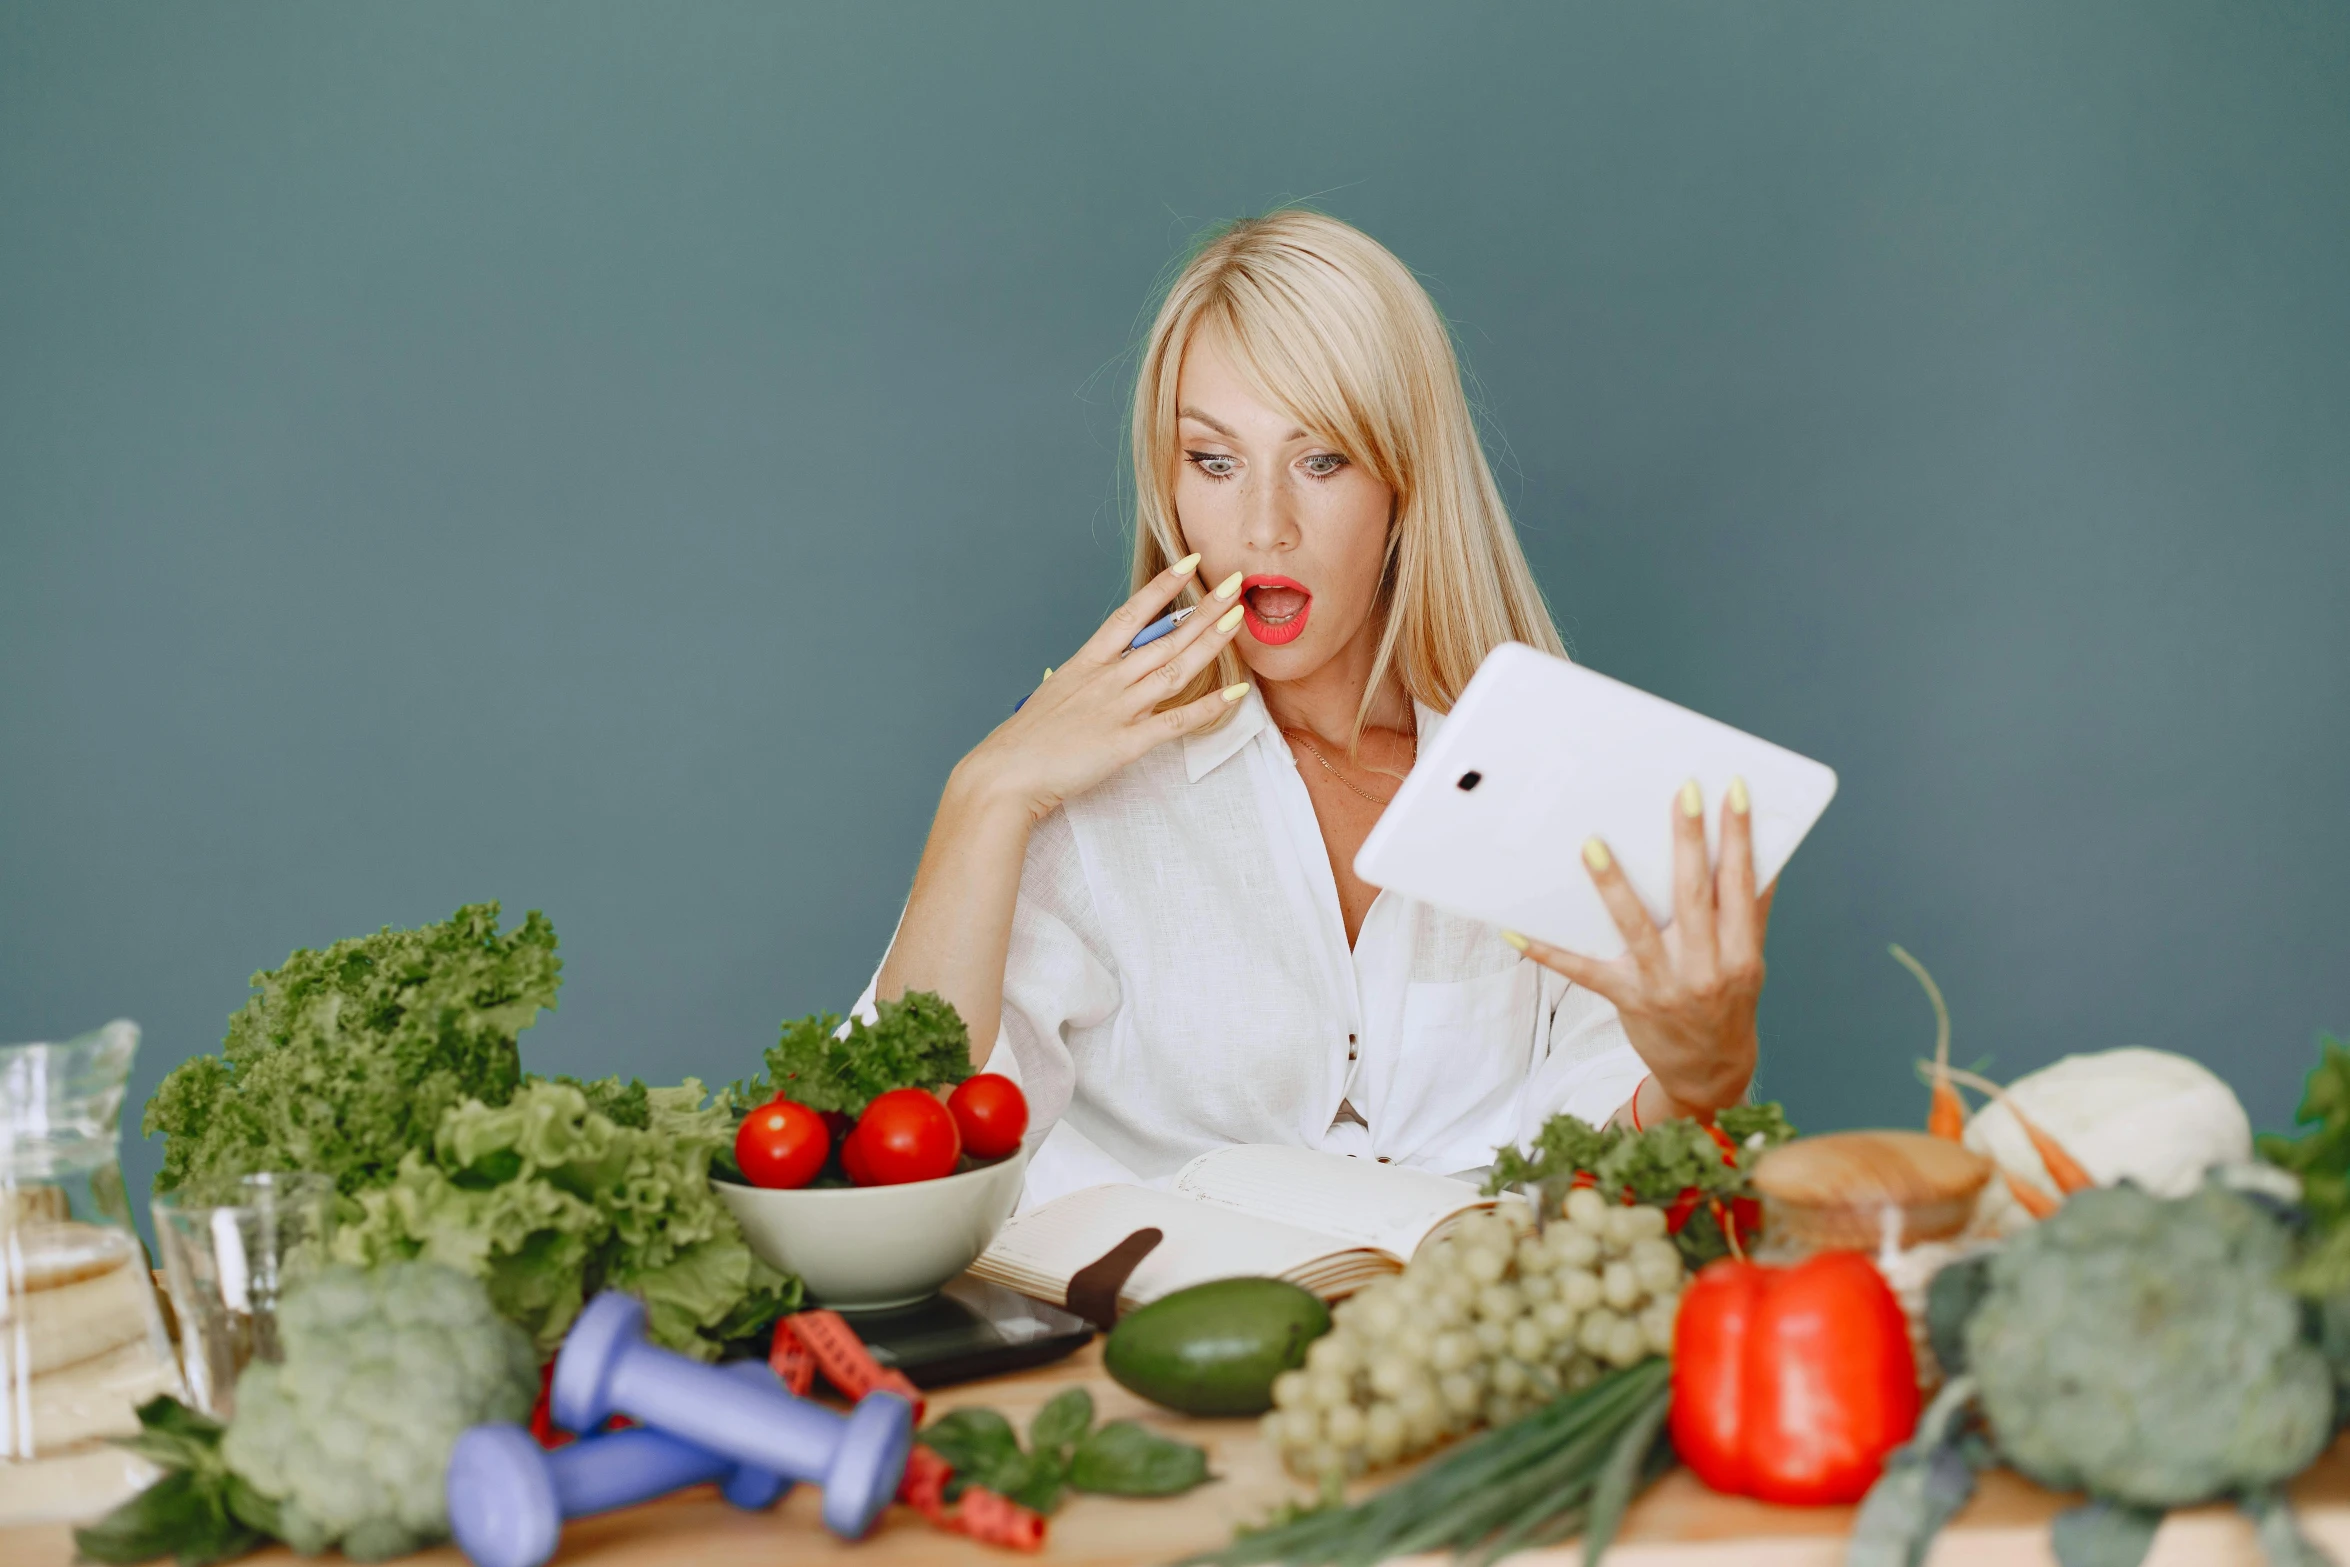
x: 864, y: 1247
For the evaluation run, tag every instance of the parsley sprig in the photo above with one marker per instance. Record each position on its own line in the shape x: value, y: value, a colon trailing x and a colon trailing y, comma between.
x: 916, y: 1041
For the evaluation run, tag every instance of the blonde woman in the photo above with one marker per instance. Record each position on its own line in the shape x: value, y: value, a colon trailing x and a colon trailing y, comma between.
x: 1139, y: 891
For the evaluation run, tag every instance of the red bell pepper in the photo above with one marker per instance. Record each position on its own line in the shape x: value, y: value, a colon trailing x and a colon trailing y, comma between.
x: 1792, y: 1384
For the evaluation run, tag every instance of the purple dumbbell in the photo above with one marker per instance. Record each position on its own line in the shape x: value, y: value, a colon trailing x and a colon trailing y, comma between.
x: 508, y: 1497
x: 606, y: 1368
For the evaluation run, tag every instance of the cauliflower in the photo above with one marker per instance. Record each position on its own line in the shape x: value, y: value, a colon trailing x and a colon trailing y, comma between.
x: 349, y: 1436
x: 2146, y: 1350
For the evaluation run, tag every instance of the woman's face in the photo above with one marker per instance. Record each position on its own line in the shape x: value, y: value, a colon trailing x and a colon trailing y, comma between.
x: 1304, y: 523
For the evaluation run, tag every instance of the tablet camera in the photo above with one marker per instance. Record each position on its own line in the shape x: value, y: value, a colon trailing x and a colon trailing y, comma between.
x: 1470, y: 780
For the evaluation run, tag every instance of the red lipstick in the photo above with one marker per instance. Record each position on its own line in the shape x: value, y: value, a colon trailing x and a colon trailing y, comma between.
x: 1275, y: 608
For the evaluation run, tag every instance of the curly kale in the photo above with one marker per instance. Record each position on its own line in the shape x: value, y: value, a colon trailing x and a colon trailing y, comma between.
x: 345, y: 1059
x: 2150, y: 1352
x: 916, y: 1041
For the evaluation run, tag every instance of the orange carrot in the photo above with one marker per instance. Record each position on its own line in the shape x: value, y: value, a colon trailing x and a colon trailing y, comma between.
x: 1947, y: 1118
x: 2063, y: 1168
x: 2036, y: 1202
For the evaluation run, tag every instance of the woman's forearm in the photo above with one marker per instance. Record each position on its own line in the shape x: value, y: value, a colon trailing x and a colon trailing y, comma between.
x: 957, y: 929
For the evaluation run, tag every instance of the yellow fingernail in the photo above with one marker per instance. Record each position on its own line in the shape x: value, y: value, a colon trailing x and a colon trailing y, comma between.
x: 1515, y: 940
x: 1738, y: 800
x: 1048, y: 674
x: 1229, y: 586
x: 1234, y: 693
x: 1692, y: 800
x: 1186, y: 566
x: 1231, y: 618
x: 1595, y: 854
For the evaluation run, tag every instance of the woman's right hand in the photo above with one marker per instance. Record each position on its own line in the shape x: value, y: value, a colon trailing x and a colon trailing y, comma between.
x: 1099, y: 711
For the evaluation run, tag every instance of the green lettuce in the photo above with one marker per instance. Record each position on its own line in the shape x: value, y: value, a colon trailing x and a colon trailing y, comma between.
x: 546, y: 1201
x: 346, y: 1059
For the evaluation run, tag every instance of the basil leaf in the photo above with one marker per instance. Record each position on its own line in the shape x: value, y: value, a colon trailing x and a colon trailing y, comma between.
x: 1062, y: 1424
x: 1123, y: 1459
x: 173, y: 1435
x: 972, y: 1440
x: 1035, y: 1482
x: 179, y: 1515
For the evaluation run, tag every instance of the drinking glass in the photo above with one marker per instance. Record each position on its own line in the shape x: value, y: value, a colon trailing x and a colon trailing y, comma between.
x: 231, y: 1247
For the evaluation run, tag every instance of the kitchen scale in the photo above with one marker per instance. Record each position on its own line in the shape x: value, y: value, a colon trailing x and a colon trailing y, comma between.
x: 969, y: 1329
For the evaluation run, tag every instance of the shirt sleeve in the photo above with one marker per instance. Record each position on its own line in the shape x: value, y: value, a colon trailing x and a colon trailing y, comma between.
x: 1588, y: 1069
x: 1058, y: 979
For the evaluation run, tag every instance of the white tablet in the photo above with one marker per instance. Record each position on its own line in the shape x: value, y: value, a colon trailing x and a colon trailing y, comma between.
x: 1539, y: 755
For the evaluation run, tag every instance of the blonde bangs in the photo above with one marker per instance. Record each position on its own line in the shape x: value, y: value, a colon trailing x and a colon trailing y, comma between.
x: 1329, y: 327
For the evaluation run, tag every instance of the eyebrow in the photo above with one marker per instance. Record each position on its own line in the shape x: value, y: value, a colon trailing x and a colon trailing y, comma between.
x: 1225, y: 430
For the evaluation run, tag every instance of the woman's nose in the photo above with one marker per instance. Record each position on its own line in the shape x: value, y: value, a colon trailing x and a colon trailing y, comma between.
x: 1268, y: 516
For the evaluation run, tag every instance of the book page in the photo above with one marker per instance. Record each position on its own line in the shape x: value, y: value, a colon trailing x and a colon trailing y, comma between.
x: 1037, y: 1252
x: 1359, y: 1200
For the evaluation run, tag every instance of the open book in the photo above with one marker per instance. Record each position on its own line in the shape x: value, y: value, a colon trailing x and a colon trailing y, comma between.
x: 1324, y: 1222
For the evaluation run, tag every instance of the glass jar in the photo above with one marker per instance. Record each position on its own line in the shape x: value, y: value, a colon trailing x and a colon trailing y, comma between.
x: 82, y: 1342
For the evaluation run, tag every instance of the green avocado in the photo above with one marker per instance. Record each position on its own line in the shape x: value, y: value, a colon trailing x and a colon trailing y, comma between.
x: 1215, y: 1348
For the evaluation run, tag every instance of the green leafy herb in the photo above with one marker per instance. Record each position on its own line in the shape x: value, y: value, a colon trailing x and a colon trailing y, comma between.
x: 345, y: 1059
x: 1126, y: 1459
x: 1655, y: 1165
x: 2321, y: 1159
x: 916, y: 1041
x: 1066, y: 1451
x: 198, y: 1511
x: 1062, y: 1423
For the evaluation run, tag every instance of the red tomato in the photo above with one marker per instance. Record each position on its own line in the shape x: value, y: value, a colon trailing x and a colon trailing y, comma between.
x: 991, y: 1113
x: 782, y: 1143
x: 907, y: 1135
x: 852, y: 1159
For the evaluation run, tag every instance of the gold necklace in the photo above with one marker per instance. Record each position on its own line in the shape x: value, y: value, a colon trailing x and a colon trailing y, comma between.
x: 1316, y: 752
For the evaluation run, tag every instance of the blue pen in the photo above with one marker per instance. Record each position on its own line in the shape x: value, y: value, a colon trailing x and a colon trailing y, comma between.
x: 1159, y: 628
x: 1148, y: 634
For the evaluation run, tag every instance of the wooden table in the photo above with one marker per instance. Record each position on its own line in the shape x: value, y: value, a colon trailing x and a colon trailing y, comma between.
x: 1679, y: 1523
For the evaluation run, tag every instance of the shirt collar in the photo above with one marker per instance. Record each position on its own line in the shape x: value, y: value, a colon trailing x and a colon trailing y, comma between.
x: 1210, y: 749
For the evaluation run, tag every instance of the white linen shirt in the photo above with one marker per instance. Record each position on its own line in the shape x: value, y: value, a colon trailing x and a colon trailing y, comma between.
x: 1179, y: 979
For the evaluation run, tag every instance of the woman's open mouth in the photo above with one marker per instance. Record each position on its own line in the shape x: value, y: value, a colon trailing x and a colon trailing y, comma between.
x: 1275, y: 608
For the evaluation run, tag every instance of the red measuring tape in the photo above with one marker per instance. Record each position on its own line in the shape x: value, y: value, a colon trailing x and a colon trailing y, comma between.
x: 807, y: 1342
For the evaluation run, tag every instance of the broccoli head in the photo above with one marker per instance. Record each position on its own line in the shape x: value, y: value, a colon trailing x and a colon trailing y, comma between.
x: 2148, y: 1352
x: 348, y: 1438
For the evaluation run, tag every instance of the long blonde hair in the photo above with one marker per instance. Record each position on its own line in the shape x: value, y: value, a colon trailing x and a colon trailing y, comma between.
x: 1333, y: 330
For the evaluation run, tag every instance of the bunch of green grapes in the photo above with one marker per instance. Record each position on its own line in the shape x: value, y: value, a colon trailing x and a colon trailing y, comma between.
x: 1484, y: 1326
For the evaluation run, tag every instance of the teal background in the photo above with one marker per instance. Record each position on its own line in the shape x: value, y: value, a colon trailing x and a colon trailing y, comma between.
x: 614, y: 458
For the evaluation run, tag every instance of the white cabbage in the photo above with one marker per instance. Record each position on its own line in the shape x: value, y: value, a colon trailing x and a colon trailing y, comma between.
x: 2156, y: 1118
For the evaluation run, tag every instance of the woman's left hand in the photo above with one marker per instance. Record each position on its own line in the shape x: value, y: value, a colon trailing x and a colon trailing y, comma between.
x: 1686, y: 995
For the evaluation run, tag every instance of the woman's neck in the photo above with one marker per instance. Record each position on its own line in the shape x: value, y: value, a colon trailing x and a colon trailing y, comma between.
x: 1325, y: 702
